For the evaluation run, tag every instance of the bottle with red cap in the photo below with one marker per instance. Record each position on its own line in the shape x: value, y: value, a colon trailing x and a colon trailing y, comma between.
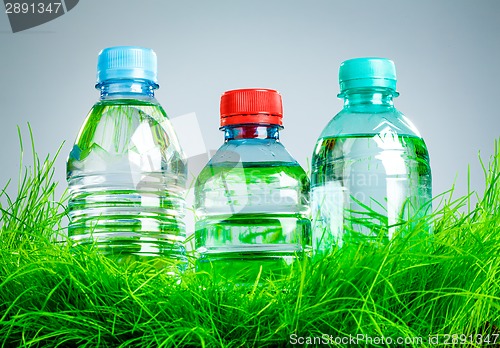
x: 252, y: 197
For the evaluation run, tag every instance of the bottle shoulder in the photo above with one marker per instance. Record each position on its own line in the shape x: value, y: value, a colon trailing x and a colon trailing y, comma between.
x: 252, y: 151
x: 227, y: 169
x: 141, y: 100
x: 348, y: 122
x: 129, y: 115
x: 138, y: 108
x: 125, y: 126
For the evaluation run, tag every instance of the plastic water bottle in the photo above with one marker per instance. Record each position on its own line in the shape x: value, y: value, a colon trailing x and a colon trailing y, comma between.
x: 126, y: 171
x: 370, y: 167
x: 252, y: 197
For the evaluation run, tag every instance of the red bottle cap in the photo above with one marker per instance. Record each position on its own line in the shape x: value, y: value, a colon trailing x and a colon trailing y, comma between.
x: 251, y: 105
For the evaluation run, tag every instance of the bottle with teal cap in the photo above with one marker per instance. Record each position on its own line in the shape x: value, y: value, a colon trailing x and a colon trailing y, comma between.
x: 126, y: 172
x: 370, y: 167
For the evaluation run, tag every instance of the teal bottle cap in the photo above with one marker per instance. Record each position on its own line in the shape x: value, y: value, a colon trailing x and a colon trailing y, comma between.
x: 126, y: 62
x: 367, y: 72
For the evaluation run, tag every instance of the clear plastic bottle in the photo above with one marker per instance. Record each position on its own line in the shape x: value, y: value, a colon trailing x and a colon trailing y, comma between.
x: 126, y: 172
x: 370, y: 166
x: 252, y: 197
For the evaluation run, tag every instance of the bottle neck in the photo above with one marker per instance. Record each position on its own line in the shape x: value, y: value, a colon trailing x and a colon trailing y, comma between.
x: 127, y: 89
x: 251, y: 131
x: 368, y: 98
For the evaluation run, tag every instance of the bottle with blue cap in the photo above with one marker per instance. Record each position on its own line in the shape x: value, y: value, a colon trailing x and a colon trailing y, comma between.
x: 370, y: 167
x: 126, y: 172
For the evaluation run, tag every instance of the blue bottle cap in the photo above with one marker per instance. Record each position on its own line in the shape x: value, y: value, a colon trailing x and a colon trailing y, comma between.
x: 126, y: 62
x: 367, y: 72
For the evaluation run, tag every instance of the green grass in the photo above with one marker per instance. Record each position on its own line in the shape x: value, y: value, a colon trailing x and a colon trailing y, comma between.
x: 51, y: 295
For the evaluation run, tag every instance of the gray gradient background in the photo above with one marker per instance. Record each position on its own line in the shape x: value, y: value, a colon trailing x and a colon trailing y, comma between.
x: 447, y: 55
